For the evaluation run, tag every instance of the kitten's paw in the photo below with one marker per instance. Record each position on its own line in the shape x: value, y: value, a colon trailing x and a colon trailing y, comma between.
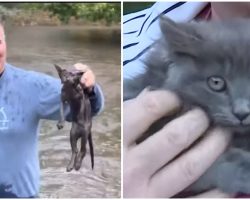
x: 78, y: 160
x: 78, y: 166
x: 233, y: 175
x: 70, y: 166
x: 60, y: 125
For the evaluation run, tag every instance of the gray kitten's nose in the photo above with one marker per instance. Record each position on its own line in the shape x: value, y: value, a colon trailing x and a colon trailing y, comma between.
x: 242, y: 115
x: 241, y: 109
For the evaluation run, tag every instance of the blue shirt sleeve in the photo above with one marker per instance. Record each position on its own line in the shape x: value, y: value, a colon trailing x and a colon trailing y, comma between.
x: 97, y: 100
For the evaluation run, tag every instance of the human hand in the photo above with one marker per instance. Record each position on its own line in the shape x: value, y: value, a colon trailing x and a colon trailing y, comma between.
x: 214, y: 193
x: 88, y: 78
x: 148, y: 168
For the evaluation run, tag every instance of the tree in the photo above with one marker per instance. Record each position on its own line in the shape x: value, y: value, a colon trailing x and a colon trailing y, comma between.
x: 109, y: 12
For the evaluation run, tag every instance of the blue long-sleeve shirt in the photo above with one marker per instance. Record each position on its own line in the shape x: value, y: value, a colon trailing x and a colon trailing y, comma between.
x: 25, y: 98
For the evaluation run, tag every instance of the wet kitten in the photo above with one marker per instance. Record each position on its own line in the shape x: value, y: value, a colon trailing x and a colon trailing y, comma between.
x: 208, y: 65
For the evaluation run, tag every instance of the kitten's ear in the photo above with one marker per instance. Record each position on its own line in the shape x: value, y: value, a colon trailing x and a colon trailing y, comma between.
x: 58, y: 68
x: 181, y: 38
x: 59, y: 71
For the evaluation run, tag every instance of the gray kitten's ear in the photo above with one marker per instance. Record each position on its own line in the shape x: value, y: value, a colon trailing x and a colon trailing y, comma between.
x: 59, y: 70
x: 180, y: 37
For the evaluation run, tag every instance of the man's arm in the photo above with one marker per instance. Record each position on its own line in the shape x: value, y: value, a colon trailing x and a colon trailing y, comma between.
x: 96, y: 100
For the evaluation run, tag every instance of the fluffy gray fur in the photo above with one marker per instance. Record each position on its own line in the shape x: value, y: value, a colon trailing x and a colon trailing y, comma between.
x: 208, y: 65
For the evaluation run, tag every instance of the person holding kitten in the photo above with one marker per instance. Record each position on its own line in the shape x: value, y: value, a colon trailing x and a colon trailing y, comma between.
x: 27, y: 97
x: 166, y: 163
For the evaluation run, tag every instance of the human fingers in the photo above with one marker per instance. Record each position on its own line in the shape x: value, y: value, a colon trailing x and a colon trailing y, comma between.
x: 81, y: 67
x: 141, y: 112
x: 215, y: 193
x: 88, y: 79
x: 167, y: 143
x: 187, y: 168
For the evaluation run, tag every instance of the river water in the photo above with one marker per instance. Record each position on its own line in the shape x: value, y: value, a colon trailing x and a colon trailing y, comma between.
x: 38, y: 48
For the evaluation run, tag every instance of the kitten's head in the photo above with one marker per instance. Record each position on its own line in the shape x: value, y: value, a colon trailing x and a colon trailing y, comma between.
x: 69, y: 78
x: 210, y: 67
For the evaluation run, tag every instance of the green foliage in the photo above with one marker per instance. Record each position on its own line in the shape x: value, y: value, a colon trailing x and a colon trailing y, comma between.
x: 31, y: 6
x: 108, y: 12
x: 64, y: 11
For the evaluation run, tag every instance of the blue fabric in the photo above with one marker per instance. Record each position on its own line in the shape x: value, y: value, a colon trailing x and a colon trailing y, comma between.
x: 25, y: 98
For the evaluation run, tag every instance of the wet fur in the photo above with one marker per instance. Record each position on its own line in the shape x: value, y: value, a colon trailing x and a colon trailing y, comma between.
x: 80, y: 107
x: 182, y: 60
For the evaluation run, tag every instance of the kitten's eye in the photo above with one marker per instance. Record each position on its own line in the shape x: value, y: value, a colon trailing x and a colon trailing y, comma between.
x: 216, y: 83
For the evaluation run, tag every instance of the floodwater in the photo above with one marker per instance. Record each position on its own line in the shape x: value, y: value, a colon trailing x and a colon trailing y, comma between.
x: 38, y: 48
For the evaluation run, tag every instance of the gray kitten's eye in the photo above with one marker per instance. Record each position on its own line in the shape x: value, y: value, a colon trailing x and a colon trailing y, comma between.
x: 216, y: 83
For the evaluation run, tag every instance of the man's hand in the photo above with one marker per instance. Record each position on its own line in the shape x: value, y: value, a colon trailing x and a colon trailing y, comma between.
x: 151, y: 168
x: 88, y: 78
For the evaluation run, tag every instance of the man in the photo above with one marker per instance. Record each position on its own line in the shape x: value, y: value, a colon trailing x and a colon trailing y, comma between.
x: 25, y: 98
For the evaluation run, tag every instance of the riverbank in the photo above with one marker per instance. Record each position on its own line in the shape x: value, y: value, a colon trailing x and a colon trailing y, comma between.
x: 19, y: 17
x: 93, y: 31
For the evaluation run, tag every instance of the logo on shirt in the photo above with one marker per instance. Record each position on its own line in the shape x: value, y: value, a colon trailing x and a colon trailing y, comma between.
x: 4, y: 122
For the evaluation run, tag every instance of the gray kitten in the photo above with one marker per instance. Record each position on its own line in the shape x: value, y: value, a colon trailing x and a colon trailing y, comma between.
x: 208, y: 65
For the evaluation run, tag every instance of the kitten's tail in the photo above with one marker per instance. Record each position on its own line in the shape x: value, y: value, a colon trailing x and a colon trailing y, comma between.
x: 91, y: 149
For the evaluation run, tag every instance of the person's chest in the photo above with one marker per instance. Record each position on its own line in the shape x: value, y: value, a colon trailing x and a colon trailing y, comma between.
x: 17, y: 111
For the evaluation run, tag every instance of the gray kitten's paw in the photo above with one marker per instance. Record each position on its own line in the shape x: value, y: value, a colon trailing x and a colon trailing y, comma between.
x: 69, y: 167
x: 230, y: 173
x: 60, y: 125
x: 233, y: 172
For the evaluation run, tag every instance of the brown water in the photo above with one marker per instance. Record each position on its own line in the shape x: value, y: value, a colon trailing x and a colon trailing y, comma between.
x: 38, y: 48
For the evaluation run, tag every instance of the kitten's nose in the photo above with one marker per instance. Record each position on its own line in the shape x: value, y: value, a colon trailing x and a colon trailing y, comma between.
x: 241, y: 110
x: 241, y: 115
